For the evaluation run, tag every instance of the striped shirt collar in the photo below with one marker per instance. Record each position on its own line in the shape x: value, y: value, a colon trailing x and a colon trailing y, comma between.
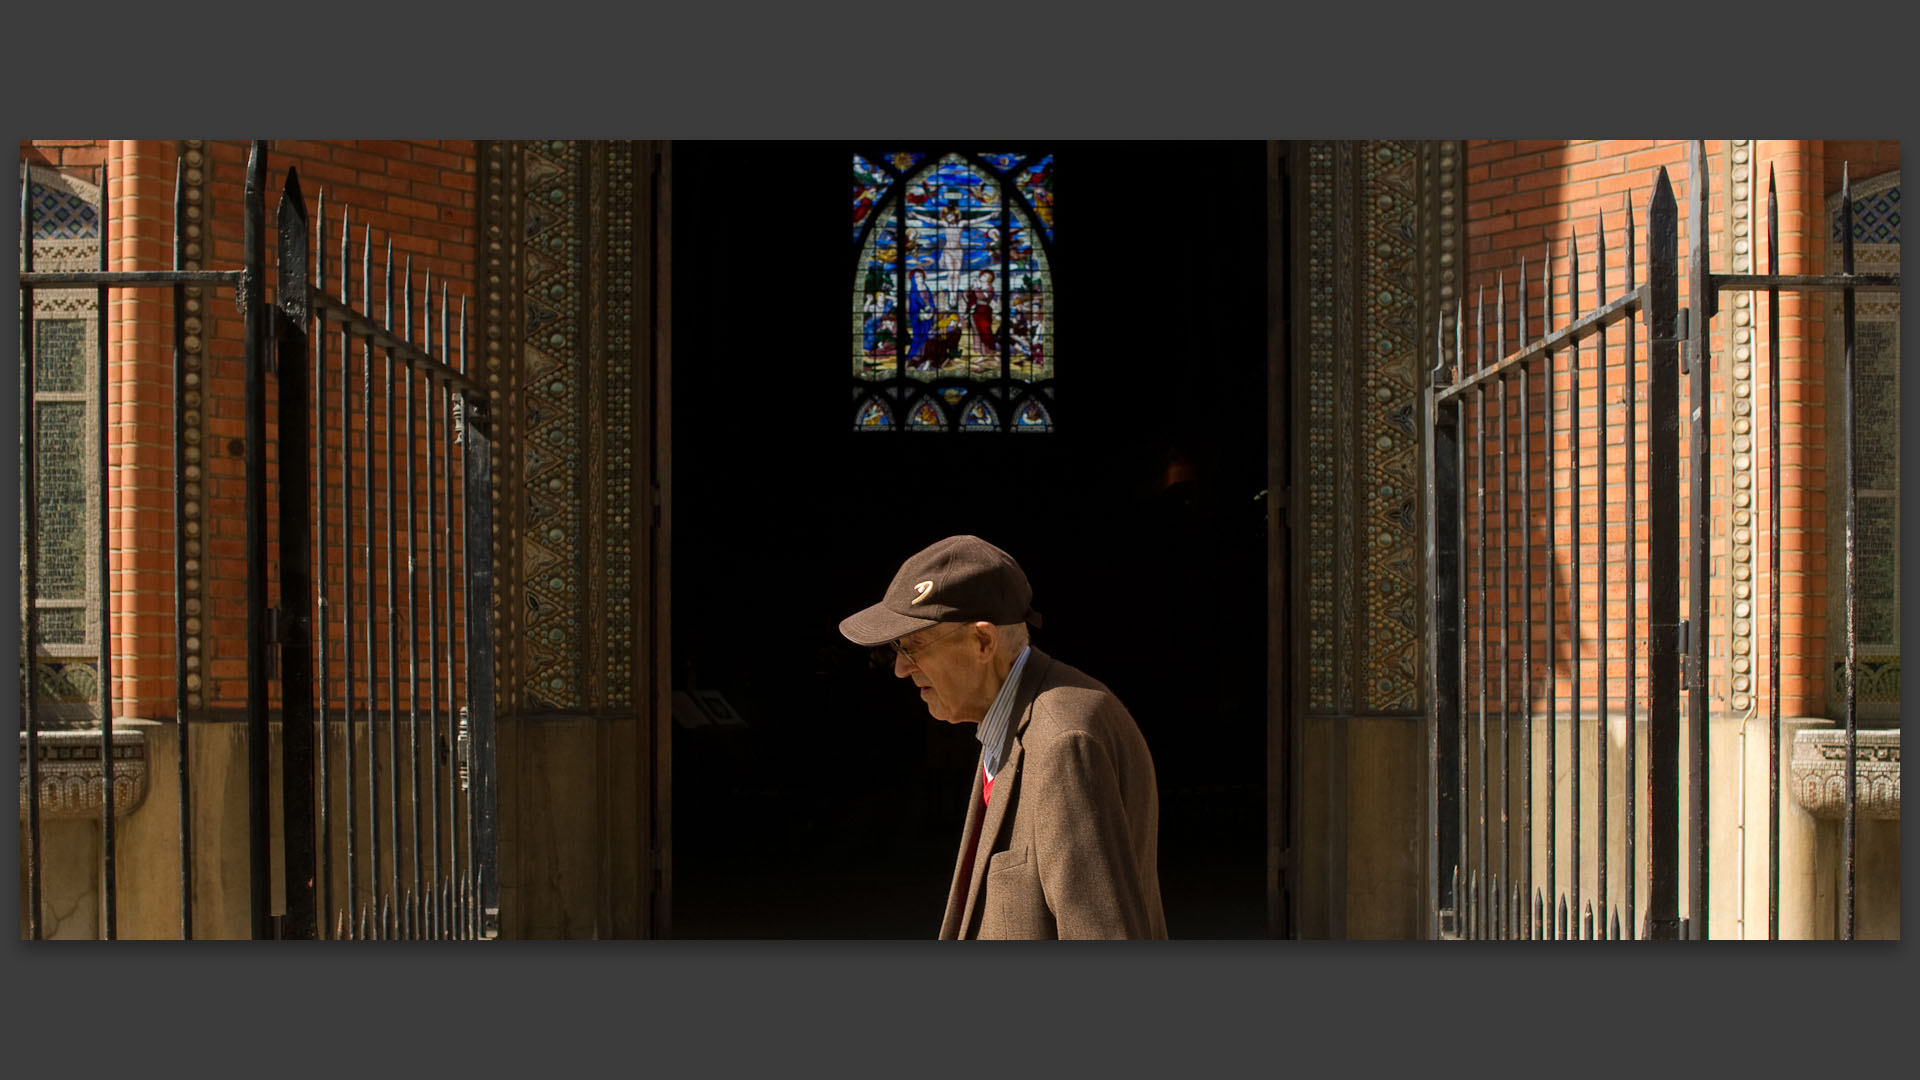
x: 999, y: 720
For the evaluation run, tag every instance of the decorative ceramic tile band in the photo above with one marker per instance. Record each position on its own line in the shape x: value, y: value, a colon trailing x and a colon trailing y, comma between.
x: 1738, y: 675
x: 73, y: 777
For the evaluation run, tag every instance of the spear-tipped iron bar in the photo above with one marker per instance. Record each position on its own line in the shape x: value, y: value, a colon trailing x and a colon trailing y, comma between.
x: 413, y: 589
x: 1459, y: 660
x: 348, y: 686
x: 109, y: 839
x: 320, y: 619
x: 1773, y: 568
x: 1578, y: 564
x: 1480, y: 583
x: 1700, y: 445
x: 374, y: 881
x: 433, y: 644
x: 258, y: 761
x: 392, y: 612
x: 1848, y: 391
x: 1604, y: 749
x: 1633, y: 575
x: 184, y: 760
x: 1506, y: 609
x: 1526, y: 599
x: 1620, y: 309
x: 1547, y: 415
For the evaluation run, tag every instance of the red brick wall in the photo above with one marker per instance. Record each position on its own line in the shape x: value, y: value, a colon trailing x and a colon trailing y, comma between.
x: 419, y: 194
x: 1530, y: 198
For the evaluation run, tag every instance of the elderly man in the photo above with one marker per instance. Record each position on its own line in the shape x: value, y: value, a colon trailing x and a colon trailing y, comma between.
x: 1062, y: 826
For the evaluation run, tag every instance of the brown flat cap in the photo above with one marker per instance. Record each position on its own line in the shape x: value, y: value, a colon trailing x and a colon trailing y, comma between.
x: 960, y: 579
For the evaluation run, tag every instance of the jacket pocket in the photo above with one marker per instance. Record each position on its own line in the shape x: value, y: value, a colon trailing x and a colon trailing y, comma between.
x: 1012, y: 904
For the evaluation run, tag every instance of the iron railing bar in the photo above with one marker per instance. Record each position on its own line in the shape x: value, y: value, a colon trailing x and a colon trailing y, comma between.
x: 1586, y: 326
x: 1506, y: 602
x: 109, y: 838
x: 183, y: 770
x: 1604, y: 749
x: 403, y: 348
x: 434, y: 922
x: 393, y: 627
x: 1802, y: 282
x: 1480, y: 635
x: 1663, y: 529
x: 126, y: 279
x: 451, y: 435
x: 1547, y: 414
x: 1773, y: 565
x: 292, y: 319
x: 1633, y: 581
x: 413, y: 628
x: 1578, y: 565
x: 1526, y: 614
x: 30, y: 553
x: 1459, y: 659
x: 252, y: 302
x: 1848, y: 433
x: 320, y: 620
x: 374, y: 882
x: 352, y: 910
x: 1699, y: 448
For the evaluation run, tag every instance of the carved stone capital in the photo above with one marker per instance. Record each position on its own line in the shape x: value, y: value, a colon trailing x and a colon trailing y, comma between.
x: 1820, y: 773
x: 73, y: 775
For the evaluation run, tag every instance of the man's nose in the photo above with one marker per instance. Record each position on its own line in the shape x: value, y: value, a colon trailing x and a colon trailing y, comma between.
x: 901, y: 664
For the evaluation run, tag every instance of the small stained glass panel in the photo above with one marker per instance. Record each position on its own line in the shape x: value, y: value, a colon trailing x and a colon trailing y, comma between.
x: 1036, y: 182
x: 876, y: 320
x: 1003, y: 162
x: 872, y: 415
x: 1030, y: 314
x: 870, y: 184
x: 62, y: 525
x: 60, y: 355
x: 1032, y: 416
x: 980, y: 416
x: 926, y: 417
x: 904, y: 160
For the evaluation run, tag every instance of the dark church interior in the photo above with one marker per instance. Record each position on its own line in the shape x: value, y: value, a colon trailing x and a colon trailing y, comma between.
x: 833, y: 807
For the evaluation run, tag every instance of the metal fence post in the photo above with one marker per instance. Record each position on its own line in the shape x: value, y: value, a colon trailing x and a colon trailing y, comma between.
x: 292, y: 294
x: 1663, y: 559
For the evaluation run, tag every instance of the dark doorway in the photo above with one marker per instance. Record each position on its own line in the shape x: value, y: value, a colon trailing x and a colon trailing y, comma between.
x: 834, y: 809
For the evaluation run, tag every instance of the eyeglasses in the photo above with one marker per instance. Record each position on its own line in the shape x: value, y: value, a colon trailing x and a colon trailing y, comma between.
x: 913, y: 655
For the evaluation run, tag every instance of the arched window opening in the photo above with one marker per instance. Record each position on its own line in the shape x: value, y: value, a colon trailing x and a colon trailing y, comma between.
x: 953, y: 292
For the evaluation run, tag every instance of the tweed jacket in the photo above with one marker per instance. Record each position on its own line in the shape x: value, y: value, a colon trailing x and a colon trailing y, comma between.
x: 1070, y: 841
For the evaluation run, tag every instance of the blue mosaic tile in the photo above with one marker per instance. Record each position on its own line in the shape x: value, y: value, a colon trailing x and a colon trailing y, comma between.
x: 1876, y: 219
x: 61, y: 215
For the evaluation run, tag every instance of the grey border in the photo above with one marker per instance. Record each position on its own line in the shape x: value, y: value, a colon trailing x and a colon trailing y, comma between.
x: 1183, y: 71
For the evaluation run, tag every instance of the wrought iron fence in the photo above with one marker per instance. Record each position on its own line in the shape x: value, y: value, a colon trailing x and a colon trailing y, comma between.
x: 1482, y: 656
x: 434, y: 874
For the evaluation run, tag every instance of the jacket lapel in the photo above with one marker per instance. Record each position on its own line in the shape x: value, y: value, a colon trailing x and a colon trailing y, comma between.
x: 1004, y: 785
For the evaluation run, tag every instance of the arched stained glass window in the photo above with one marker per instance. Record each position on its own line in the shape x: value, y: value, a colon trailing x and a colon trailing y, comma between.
x: 953, y: 292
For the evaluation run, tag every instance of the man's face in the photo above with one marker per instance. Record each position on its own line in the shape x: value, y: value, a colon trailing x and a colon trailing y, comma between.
x: 950, y: 665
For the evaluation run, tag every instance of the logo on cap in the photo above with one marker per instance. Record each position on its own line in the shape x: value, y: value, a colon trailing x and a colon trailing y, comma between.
x: 923, y: 589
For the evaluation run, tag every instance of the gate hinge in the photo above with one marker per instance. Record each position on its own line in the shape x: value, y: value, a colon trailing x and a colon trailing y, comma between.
x: 1683, y: 334
x: 463, y: 750
x: 1682, y: 644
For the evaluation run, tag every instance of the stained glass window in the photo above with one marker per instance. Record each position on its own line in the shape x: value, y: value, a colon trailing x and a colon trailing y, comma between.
x: 953, y: 291
x: 1876, y: 462
x: 66, y: 236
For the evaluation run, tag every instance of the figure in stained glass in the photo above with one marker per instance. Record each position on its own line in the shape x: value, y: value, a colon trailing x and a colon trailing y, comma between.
x: 982, y: 301
x: 920, y: 316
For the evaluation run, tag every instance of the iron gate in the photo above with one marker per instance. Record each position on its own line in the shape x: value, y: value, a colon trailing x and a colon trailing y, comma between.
x: 418, y: 862
x: 1490, y: 875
